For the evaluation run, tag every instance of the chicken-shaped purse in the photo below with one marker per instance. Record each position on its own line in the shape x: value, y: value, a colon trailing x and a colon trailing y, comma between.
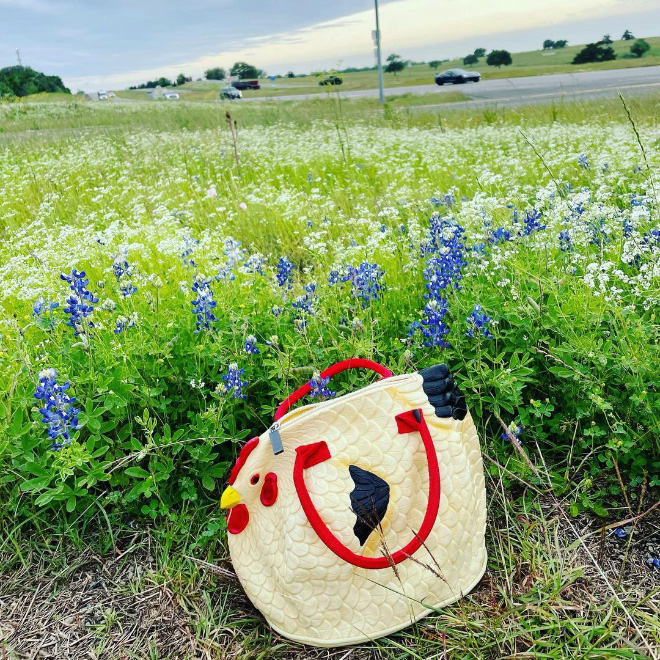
x: 352, y: 518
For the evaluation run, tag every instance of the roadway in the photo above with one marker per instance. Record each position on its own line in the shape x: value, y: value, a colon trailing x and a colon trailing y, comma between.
x: 514, y: 91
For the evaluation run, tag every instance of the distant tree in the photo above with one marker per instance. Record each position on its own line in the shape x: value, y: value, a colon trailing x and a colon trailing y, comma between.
x: 182, y: 79
x: 290, y: 74
x: 548, y: 43
x: 597, y: 52
x: 395, y: 64
x: 607, y: 39
x: 499, y: 58
x: 628, y: 36
x: 469, y: 60
x: 215, y: 74
x: 640, y: 47
x: 480, y: 52
x: 562, y: 43
x: 23, y: 81
x: 434, y: 64
x: 244, y: 70
x: 164, y: 82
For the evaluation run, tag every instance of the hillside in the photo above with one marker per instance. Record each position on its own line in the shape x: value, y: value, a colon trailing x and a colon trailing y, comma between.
x: 24, y: 81
x: 527, y: 63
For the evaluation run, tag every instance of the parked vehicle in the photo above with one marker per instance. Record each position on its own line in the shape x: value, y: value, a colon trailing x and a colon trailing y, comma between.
x: 230, y: 93
x: 457, y: 77
x: 246, y: 84
x: 103, y: 95
x: 331, y: 80
x: 172, y: 96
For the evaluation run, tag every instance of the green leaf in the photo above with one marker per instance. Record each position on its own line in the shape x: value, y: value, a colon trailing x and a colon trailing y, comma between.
x: 137, y: 472
x: 208, y: 482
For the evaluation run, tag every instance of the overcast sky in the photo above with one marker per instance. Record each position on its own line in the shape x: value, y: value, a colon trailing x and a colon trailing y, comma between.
x: 115, y: 43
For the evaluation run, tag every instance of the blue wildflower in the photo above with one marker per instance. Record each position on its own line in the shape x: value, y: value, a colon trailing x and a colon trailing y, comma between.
x: 583, y: 161
x: 433, y: 327
x: 620, y: 533
x: 81, y: 305
x: 365, y: 281
x: 500, y: 234
x: 121, y: 323
x: 251, y: 345
x: 515, y: 430
x: 254, y: 264
x: 276, y: 311
x: 532, y: 222
x: 310, y: 177
x: 598, y: 234
x: 654, y: 562
x: 478, y: 320
x: 187, y: 250
x: 57, y: 412
x: 435, y: 201
x: 127, y: 289
x: 565, y: 244
x: 319, y: 387
x: 43, y: 311
x: 307, y: 302
x: 234, y: 384
x: 234, y: 254
x: 204, y: 304
x: 284, y: 274
x: 121, y: 268
x: 627, y: 228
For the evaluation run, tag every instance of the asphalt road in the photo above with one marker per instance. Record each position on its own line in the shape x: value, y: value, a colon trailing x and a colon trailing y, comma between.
x: 531, y: 89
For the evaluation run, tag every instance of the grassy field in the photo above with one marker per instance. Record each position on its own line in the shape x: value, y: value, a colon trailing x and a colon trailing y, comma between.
x: 112, y: 544
x: 532, y: 63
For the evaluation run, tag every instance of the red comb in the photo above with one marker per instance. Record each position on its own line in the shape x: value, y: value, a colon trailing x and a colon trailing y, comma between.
x: 249, y: 447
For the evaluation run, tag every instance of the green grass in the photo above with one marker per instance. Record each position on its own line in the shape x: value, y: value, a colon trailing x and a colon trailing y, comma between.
x: 96, y: 539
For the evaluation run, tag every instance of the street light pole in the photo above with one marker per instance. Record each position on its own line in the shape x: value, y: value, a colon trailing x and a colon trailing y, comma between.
x: 380, y: 63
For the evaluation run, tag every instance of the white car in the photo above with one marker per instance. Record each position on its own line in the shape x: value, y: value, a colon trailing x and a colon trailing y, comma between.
x: 172, y: 96
x: 230, y: 93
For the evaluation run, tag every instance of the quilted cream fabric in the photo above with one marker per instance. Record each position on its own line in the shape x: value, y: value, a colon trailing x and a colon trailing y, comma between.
x: 305, y: 591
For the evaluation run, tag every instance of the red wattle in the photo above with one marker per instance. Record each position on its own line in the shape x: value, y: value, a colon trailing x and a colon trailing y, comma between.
x: 237, y: 519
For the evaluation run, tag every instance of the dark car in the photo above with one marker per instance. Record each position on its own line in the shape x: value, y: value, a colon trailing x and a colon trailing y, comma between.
x: 457, y: 77
x: 331, y: 80
x: 246, y: 84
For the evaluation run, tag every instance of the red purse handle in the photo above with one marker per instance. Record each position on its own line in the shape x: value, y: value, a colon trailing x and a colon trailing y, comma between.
x: 353, y: 363
x: 309, y: 455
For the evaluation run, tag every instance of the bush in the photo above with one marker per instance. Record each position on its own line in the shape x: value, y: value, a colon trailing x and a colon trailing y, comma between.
x: 640, y: 47
x: 469, y: 60
x: 597, y: 52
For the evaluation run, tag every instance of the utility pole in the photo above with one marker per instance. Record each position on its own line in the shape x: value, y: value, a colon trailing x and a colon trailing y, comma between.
x: 380, y: 62
x: 18, y: 57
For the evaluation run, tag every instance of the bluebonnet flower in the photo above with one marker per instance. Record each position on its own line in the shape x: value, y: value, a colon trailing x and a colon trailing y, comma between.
x: 121, y: 323
x: 515, y: 430
x: 57, y: 412
x: 620, y: 533
x: 204, y: 304
x: 121, y: 268
x: 500, y: 234
x: 627, y: 228
x: 307, y: 303
x: 636, y: 169
x: 448, y: 200
x: 276, y: 311
x: 254, y: 264
x: 433, y: 327
x: 188, y: 249
x: 127, y: 289
x: 479, y: 248
x: 532, y: 222
x: 234, y: 384
x: 319, y: 387
x: 365, y: 280
x: 479, y: 321
x: 583, y: 161
x: 565, y: 244
x: 637, y: 200
x: 654, y: 562
x: 251, y: 345
x: 42, y: 307
x: 234, y: 254
x: 284, y: 273
x: 435, y: 201
x: 81, y: 305
x: 598, y: 234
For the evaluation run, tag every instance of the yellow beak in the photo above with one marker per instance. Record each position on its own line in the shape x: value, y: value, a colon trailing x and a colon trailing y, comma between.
x: 229, y: 498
